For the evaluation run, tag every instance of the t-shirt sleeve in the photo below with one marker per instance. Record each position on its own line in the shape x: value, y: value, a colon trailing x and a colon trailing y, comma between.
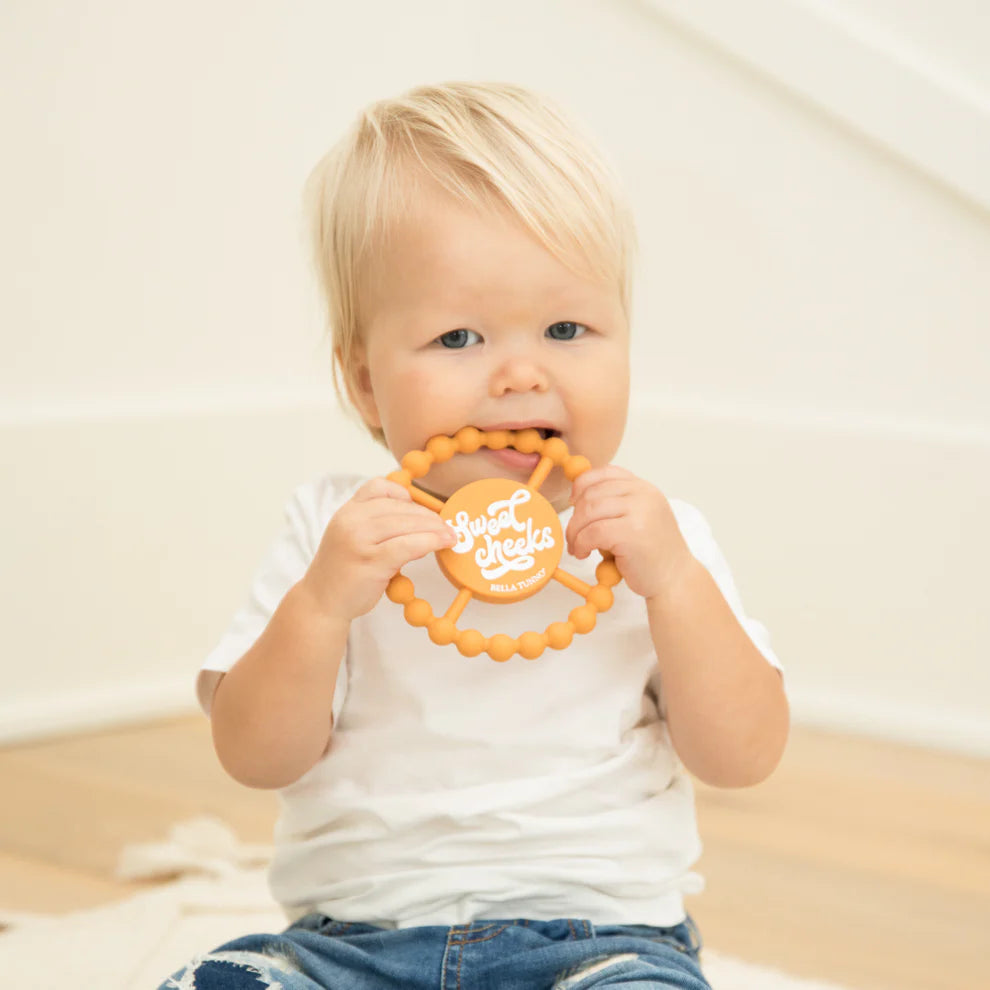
x: 698, y: 536
x: 306, y: 516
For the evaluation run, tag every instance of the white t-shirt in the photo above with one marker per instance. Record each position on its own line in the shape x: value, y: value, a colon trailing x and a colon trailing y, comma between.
x: 456, y: 789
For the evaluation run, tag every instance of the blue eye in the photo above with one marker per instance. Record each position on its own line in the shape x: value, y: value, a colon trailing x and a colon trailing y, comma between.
x: 565, y: 330
x: 456, y: 339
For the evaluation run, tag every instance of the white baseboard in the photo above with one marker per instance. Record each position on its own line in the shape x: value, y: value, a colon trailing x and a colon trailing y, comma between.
x: 106, y: 707
x: 850, y: 715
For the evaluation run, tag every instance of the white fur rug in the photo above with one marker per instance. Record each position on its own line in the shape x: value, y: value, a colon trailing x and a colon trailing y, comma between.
x: 222, y: 893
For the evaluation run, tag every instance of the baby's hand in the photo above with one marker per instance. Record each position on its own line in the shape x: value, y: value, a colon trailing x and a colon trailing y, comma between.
x: 617, y: 512
x: 370, y: 537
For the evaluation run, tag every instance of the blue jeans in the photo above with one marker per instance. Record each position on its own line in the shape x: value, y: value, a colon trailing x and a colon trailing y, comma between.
x: 317, y: 953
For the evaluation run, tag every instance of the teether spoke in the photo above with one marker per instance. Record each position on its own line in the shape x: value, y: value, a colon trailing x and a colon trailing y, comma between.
x: 540, y: 474
x: 509, y: 544
x: 458, y: 605
x: 570, y: 581
x: 425, y: 498
x: 418, y: 495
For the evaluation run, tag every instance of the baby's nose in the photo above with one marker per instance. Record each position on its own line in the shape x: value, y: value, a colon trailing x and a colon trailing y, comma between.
x: 518, y: 373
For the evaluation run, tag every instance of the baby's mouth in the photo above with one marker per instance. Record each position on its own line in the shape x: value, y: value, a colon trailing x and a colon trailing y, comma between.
x: 517, y: 458
x: 545, y: 432
x: 508, y: 459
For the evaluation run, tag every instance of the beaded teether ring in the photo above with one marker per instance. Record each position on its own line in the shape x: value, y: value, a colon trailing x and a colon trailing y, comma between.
x: 522, y: 546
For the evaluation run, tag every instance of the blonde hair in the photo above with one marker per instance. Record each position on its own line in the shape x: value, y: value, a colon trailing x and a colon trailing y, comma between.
x: 489, y: 145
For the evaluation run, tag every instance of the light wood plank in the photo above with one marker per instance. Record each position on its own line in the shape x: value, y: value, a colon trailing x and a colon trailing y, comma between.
x: 32, y: 886
x: 860, y: 861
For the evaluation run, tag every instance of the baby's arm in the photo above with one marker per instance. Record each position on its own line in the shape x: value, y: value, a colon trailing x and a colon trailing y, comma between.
x: 272, y: 712
x: 725, y: 704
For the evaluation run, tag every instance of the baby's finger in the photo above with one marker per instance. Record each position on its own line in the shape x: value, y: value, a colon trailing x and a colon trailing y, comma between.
x: 400, y: 550
x: 596, y: 535
x: 381, y: 488
x: 595, y: 477
x: 607, y: 488
x: 612, y: 507
x: 388, y: 526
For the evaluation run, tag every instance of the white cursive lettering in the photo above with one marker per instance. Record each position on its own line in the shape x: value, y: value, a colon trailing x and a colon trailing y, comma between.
x: 498, y: 555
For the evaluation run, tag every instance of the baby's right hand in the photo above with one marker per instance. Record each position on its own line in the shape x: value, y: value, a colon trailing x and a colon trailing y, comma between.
x: 369, y: 539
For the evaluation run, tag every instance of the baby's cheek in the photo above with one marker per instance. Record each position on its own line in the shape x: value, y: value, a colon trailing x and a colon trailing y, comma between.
x: 605, y: 427
x: 410, y: 388
x: 415, y: 403
x: 600, y: 405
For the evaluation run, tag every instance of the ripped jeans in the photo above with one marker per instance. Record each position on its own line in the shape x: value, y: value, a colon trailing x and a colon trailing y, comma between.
x: 317, y: 953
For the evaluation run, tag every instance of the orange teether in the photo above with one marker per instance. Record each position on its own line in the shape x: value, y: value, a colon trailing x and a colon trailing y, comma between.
x: 509, y: 545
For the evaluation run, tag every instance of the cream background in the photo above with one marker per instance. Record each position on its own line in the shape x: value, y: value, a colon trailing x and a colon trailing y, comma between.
x: 811, y: 319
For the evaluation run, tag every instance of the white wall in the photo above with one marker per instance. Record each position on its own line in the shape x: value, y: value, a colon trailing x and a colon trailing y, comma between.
x: 811, y: 319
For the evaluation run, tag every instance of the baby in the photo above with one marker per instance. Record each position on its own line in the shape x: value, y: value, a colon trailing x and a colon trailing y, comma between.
x: 450, y: 822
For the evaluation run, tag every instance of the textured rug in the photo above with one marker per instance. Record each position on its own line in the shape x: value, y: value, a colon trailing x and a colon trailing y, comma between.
x: 221, y: 892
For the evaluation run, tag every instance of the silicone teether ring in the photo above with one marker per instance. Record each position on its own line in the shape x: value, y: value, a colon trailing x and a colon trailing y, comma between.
x: 506, y: 510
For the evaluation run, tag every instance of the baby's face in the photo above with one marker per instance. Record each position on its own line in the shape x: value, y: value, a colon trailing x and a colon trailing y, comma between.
x: 469, y: 321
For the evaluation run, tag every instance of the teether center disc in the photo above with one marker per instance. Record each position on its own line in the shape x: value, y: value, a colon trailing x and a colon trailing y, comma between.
x: 509, y: 540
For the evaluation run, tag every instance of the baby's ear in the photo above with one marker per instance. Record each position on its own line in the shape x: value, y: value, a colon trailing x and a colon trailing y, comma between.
x: 357, y: 379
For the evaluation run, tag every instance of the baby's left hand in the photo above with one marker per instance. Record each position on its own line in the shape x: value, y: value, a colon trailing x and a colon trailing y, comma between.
x: 618, y: 512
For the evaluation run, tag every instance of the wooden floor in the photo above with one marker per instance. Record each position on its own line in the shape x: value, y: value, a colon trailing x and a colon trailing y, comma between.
x: 862, y: 862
